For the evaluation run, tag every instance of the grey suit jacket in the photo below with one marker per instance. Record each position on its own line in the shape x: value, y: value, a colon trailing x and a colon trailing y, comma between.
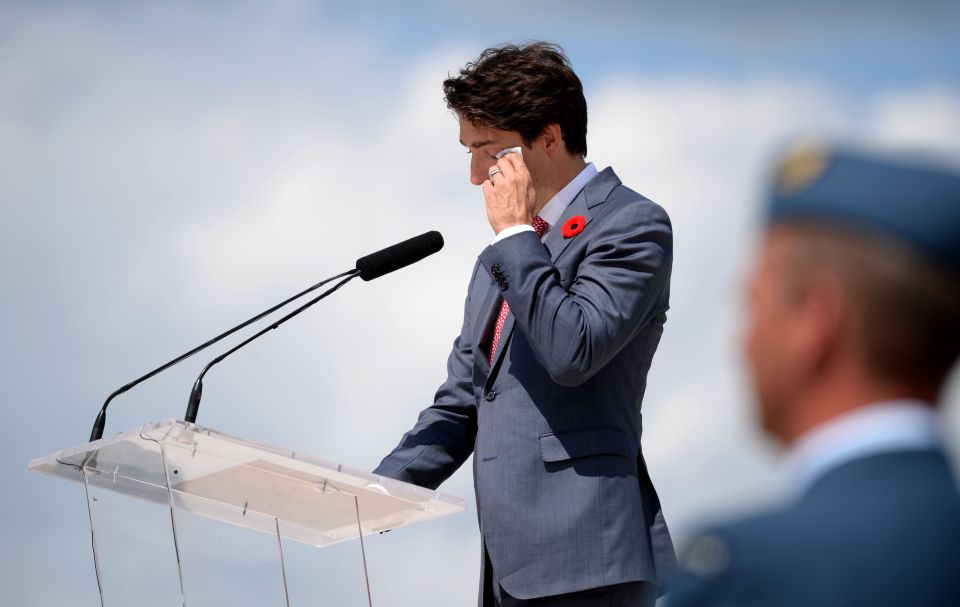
x: 565, y: 502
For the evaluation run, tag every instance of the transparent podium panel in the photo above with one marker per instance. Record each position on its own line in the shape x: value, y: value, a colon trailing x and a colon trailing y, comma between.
x: 136, y: 562
x: 228, y: 565
x: 183, y: 475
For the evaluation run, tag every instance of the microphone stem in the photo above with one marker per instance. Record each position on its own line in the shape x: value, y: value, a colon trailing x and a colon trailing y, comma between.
x: 98, y: 425
x: 194, y: 402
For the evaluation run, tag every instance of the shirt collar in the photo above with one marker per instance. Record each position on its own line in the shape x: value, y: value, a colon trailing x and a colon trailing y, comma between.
x: 553, y: 210
x: 895, y: 425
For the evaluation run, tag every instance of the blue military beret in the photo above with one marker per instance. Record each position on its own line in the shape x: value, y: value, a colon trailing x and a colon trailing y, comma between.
x: 914, y: 202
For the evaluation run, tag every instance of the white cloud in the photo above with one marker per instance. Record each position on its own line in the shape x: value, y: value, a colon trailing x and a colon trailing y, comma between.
x: 928, y: 117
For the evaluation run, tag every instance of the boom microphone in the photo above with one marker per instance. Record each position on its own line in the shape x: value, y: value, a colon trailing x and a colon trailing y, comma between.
x: 399, y: 255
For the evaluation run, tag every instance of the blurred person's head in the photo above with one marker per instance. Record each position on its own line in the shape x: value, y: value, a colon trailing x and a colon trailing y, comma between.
x: 855, y: 297
x: 524, y: 96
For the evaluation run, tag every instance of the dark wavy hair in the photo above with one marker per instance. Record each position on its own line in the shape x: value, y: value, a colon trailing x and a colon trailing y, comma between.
x: 523, y: 89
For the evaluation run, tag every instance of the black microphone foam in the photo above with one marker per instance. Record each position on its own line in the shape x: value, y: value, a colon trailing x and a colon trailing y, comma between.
x: 399, y: 255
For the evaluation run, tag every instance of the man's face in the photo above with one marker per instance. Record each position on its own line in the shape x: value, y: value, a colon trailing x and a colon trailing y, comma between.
x: 772, y: 327
x: 483, y: 144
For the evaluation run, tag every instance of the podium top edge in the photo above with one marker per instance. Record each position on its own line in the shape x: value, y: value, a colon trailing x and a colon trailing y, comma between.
x: 178, y: 433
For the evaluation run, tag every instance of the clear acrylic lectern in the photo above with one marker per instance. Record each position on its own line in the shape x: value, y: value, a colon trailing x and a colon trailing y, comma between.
x: 190, y: 473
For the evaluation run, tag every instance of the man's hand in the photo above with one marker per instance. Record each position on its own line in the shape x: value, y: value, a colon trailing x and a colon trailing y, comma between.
x: 509, y: 193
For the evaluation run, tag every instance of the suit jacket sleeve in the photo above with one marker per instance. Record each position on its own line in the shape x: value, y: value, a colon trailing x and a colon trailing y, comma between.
x: 619, y: 285
x: 445, y: 433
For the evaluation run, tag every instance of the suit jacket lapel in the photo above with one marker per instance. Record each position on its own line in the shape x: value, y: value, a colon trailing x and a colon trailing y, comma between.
x: 486, y: 312
x: 555, y: 242
x: 595, y: 192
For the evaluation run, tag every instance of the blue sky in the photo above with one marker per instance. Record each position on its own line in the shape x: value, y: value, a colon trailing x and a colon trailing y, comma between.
x: 862, y: 46
x: 169, y: 170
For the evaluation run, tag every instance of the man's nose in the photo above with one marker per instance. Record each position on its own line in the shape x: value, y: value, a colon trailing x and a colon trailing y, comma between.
x: 479, y: 168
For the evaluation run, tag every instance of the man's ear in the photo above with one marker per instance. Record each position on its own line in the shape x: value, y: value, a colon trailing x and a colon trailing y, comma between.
x: 552, y: 138
x: 822, y: 320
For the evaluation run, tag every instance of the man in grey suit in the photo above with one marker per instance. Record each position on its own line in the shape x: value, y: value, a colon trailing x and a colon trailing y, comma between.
x: 544, y: 385
x: 854, y: 328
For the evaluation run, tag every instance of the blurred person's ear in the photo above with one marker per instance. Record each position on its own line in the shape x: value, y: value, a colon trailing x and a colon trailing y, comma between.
x: 821, y: 330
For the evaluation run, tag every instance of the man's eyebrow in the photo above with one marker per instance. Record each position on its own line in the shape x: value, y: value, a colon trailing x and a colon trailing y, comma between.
x: 476, y: 144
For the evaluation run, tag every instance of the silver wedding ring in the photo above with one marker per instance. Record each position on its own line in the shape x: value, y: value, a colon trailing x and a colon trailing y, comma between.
x: 494, y: 171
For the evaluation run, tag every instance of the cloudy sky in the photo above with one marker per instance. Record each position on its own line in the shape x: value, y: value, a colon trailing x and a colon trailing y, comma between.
x: 168, y: 170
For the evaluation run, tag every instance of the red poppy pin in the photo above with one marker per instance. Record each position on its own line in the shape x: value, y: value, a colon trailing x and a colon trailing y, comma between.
x: 574, y: 226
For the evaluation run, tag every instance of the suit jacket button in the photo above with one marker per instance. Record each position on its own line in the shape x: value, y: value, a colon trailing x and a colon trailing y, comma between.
x: 489, y: 396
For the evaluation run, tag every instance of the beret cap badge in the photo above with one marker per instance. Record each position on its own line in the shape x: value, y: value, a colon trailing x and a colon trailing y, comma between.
x: 801, y: 168
x: 908, y: 195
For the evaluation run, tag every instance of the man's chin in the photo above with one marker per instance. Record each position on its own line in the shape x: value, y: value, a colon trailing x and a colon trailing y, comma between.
x: 771, y: 420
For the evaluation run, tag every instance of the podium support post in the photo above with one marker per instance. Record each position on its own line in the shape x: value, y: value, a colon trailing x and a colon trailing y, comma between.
x: 93, y: 534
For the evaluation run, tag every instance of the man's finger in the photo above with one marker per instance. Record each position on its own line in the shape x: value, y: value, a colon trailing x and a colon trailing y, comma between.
x: 516, y: 165
x: 505, y: 169
x: 512, y: 160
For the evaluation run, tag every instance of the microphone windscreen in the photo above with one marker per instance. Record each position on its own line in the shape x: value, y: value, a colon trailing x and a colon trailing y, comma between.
x: 399, y: 255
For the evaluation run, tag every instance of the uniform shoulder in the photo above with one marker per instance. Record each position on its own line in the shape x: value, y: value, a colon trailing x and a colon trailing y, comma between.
x: 750, y: 536
x: 737, y: 562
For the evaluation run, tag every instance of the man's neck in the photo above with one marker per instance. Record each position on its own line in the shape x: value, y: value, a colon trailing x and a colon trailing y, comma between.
x: 565, y: 172
x: 819, y: 406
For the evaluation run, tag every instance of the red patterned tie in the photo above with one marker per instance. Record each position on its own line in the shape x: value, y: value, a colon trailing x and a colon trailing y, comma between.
x: 540, y: 227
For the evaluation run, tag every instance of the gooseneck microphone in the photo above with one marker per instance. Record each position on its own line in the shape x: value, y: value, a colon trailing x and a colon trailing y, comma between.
x: 100, y: 422
x: 372, y: 266
x: 193, y: 404
x: 369, y: 267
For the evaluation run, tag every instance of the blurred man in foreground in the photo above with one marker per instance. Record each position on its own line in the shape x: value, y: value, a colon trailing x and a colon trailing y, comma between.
x: 854, y: 328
